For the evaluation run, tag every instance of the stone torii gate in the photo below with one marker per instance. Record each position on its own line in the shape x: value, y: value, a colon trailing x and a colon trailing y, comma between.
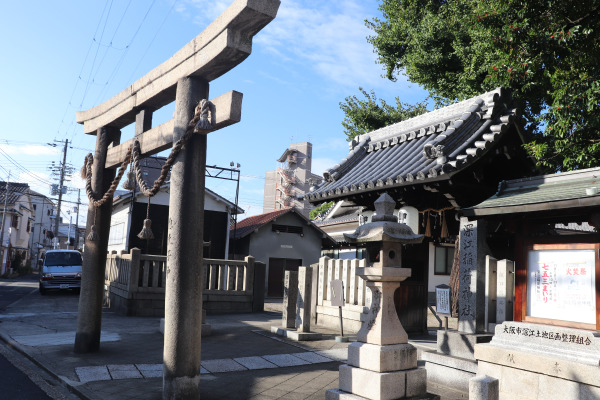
x: 185, y: 78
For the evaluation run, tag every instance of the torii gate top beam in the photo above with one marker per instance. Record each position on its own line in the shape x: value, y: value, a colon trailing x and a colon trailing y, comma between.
x: 225, y: 43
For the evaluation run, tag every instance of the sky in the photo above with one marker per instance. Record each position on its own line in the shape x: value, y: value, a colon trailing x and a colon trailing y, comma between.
x: 59, y: 57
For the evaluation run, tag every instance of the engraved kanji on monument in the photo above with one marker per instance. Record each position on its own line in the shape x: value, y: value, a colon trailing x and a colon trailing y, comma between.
x: 471, y: 297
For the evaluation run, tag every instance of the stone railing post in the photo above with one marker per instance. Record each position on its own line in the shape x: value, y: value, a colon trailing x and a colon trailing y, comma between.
x: 249, y: 275
x: 134, y: 271
x: 314, y: 290
x: 258, y: 288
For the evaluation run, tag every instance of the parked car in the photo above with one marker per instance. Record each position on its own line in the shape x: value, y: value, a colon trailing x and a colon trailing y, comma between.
x: 61, y: 269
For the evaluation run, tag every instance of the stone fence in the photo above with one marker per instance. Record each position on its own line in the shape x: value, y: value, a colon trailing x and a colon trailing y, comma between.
x: 134, y: 284
x: 357, y: 298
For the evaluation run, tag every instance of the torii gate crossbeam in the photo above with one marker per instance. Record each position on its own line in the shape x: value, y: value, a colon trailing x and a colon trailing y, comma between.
x: 184, y: 78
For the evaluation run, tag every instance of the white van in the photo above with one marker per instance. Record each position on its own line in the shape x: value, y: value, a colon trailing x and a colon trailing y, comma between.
x: 61, y: 269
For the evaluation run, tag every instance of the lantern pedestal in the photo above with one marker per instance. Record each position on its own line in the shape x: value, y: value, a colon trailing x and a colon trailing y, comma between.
x: 382, y: 365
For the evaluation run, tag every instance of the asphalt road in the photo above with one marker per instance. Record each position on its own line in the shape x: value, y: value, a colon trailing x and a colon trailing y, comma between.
x: 21, y: 379
x: 12, y: 290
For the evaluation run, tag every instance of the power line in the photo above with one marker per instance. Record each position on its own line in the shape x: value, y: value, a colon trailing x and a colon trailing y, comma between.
x: 120, y: 62
x: 91, y: 77
x: 23, y: 169
x: 152, y: 41
x: 81, y: 71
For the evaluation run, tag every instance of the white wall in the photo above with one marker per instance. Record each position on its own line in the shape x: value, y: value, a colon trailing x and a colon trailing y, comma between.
x: 119, y: 227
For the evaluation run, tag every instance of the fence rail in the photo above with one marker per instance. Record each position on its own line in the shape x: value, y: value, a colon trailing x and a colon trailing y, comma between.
x: 131, y: 277
x: 357, y: 298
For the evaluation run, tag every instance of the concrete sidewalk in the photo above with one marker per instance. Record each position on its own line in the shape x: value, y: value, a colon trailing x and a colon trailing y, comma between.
x: 240, y: 360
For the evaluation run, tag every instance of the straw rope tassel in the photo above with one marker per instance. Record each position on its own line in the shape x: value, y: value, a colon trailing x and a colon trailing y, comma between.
x: 146, y: 232
x: 93, y: 235
x: 428, y: 225
x: 444, y: 229
x: 129, y: 183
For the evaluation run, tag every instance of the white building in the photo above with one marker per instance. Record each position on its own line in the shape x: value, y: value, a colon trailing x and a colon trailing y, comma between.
x: 285, y: 187
x: 17, y: 220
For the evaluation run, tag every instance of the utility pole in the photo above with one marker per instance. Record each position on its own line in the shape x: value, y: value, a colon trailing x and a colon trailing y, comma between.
x: 60, y: 187
x: 3, y: 218
x: 77, y: 219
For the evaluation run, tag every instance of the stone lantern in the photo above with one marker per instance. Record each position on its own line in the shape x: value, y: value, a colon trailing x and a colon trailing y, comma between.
x: 382, y: 364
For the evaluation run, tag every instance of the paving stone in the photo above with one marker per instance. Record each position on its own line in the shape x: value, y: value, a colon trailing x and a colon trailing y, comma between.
x: 89, y: 374
x: 254, y: 362
x: 150, y: 370
x: 312, y: 357
x: 223, y: 365
x: 285, y: 360
x: 275, y: 393
x: 335, y: 354
x: 60, y: 338
x: 124, y: 371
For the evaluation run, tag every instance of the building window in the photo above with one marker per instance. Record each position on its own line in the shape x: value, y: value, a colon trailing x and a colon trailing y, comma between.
x: 116, y: 234
x: 15, y: 221
x: 444, y: 256
x: 34, y: 207
x: 29, y: 226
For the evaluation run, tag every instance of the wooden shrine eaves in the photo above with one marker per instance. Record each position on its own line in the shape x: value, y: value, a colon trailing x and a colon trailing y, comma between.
x: 225, y: 43
x: 225, y: 110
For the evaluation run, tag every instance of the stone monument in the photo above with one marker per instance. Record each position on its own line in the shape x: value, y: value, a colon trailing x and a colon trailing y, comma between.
x: 296, y: 307
x: 382, y: 364
x: 453, y: 364
x: 534, y: 361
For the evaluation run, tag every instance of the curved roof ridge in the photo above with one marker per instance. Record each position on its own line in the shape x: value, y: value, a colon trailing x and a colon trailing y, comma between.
x: 425, y: 120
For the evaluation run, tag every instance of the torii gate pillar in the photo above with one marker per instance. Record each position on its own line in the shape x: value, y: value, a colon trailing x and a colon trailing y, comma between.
x: 183, y: 294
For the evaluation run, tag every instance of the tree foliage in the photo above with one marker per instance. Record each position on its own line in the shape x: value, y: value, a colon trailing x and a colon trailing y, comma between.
x: 362, y: 116
x: 547, y: 52
x: 321, y: 209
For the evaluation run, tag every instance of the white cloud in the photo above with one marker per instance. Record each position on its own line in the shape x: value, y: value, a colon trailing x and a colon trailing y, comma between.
x: 35, y: 180
x: 30, y: 150
x: 319, y: 165
x: 203, y: 12
x: 328, y: 36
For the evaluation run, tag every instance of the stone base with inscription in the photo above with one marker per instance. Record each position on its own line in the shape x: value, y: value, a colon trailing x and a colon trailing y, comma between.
x: 534, y: 361
x: 453, y: 364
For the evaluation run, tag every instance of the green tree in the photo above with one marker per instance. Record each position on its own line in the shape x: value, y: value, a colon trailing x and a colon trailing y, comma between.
x: 547, y: 52
x: 321, y: 209
x: 362, y: 116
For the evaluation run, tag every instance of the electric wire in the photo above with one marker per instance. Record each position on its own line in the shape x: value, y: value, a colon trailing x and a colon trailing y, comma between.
x: 124, y: 54
x: 81, y: 71
x: 151, y: 42
x: 91, y: 77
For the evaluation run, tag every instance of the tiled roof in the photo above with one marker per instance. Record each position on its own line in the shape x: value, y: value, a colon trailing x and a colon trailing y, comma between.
x: 250, y: 224
x: 337, y: 220
x: 427, y: 148
x: 15, y: 190
x: 545, y: 192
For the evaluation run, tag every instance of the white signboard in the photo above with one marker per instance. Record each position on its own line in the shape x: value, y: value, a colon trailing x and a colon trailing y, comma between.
x: 337, y: 293
x: 442, y: 299
x: 561, y: 285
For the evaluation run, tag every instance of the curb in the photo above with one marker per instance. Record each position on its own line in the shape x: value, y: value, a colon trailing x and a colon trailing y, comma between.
x: 17, y: 347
